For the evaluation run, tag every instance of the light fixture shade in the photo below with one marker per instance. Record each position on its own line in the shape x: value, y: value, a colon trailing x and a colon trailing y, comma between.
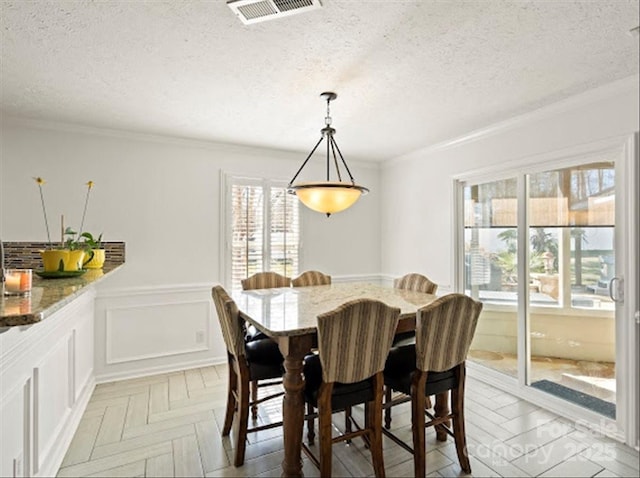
x: 328, y: 197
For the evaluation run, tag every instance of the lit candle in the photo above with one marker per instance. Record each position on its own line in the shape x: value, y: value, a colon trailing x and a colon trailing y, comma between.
x: 17, y: 281
x: 12, y: 282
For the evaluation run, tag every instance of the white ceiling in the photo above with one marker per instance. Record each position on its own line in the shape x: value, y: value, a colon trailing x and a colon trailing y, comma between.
x: 408, y: 73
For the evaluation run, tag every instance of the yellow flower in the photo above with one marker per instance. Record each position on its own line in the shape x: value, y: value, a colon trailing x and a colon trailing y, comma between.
x: 40, y: 181
x: 90, y: 184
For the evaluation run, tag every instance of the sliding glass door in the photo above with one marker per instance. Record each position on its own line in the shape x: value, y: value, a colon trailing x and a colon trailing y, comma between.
x: 539, y: 249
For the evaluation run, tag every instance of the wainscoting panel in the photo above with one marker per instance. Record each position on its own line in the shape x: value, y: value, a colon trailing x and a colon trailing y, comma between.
x: 51, y: 398
x: 14, y: 432
x: 150, y: 330
x: 157, y: 330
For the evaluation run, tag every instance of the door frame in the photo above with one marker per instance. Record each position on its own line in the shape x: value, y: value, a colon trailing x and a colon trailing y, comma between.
x: 624, y: 150
x: 629, y: 241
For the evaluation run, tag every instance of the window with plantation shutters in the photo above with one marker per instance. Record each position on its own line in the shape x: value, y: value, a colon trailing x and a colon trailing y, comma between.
x: 263, y: 229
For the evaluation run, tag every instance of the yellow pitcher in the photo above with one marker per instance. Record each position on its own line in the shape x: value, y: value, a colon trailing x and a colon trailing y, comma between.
x: 62, y: 260
x: 95, y: 259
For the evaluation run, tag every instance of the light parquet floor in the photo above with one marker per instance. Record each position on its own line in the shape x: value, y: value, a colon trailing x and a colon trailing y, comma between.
x: 169, y: 425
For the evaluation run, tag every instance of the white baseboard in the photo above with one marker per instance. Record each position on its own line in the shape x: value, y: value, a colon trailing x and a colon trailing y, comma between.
x: 156, y: 370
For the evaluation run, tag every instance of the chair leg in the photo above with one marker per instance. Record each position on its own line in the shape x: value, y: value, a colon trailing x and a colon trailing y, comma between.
x: 387, y: 412
x: 366, y: 438
x: 374, y: 423
x: 254, y: 398
x: 231, y: 400
x: 324, y: 428
x: 427, y: 403
x: 441, y: 409
x: 347, y: 422
x: 311, y: 434
x: 460, y: 437
x: 243, y: 418
x: 418, y: 423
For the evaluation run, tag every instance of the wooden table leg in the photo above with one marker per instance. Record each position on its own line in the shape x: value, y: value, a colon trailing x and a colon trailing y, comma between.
x: 293, y: 349
x: 441, y: 409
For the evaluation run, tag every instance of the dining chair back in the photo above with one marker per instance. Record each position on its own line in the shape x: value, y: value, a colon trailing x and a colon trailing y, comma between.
x: 231, y: 324
x: 256, y: 361
x: 444, y: 331
x: 353, y: 342
x: 261, y: 280
x: 435, y: 365
x: 416, y: 282
x: 310, y: 278
x: 265, y: 280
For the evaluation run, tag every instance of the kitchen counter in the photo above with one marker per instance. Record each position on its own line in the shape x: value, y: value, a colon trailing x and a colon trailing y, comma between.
x: 48, y: 296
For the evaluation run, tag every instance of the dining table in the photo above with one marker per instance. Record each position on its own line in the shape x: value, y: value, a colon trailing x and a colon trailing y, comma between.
x: 289, y: 316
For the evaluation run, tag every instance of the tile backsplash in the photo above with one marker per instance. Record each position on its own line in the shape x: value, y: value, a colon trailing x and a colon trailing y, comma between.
x: 26, y: 255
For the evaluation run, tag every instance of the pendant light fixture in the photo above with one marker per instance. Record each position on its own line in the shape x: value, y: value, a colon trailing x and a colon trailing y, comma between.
x: 327, y: 196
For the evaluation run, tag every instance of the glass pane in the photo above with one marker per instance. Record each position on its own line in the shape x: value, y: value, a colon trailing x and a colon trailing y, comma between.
x: 571, y: 259
x: 592, y: 267
x: 490, y: 270
x: 544, y: 279
x: 247, y: 232
x: 284, y: 233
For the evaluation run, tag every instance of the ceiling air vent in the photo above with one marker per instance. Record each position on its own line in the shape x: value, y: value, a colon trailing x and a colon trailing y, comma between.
x: 254, y: 11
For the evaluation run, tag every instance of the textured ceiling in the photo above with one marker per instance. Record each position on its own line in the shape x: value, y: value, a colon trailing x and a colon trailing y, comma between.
x: 408, y: 73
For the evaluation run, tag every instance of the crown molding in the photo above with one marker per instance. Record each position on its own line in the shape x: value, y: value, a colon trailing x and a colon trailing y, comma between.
x: 628, y: 84
x: 65, y: 127
x: 220, y: 147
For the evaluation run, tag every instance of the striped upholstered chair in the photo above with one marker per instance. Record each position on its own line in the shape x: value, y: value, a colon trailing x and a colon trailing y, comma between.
x: 261, y: 280
x: 353, y: 344
x: 258, y: 360
x: 265, y: 280
x: 418, y: 283
x: 435, y: 365
x: 309, y: 278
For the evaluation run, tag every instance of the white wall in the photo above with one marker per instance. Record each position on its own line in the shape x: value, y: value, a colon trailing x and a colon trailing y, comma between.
x: 162, y: 197
x: 416, y: 206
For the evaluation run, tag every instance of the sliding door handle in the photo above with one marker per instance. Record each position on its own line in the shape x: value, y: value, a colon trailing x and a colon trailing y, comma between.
x: 617, y: 284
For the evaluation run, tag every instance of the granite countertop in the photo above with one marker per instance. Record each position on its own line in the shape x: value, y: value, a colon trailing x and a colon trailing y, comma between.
x: 48, y: 296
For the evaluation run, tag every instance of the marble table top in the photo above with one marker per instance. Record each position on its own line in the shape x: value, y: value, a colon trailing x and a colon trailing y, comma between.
x: 290, y: 311
x: 47, y: 296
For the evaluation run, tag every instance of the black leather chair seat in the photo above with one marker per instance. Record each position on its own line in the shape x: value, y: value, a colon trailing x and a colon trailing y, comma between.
x: 265, y: 359
x: 252, y: 333
x: 344, y: 394
x: 399, y: 368
x: 405, y: 338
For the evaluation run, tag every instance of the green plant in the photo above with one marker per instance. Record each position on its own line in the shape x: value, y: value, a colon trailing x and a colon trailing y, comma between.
x: 71, y: 242
x: 84, y: 241
x: 91, y: 242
